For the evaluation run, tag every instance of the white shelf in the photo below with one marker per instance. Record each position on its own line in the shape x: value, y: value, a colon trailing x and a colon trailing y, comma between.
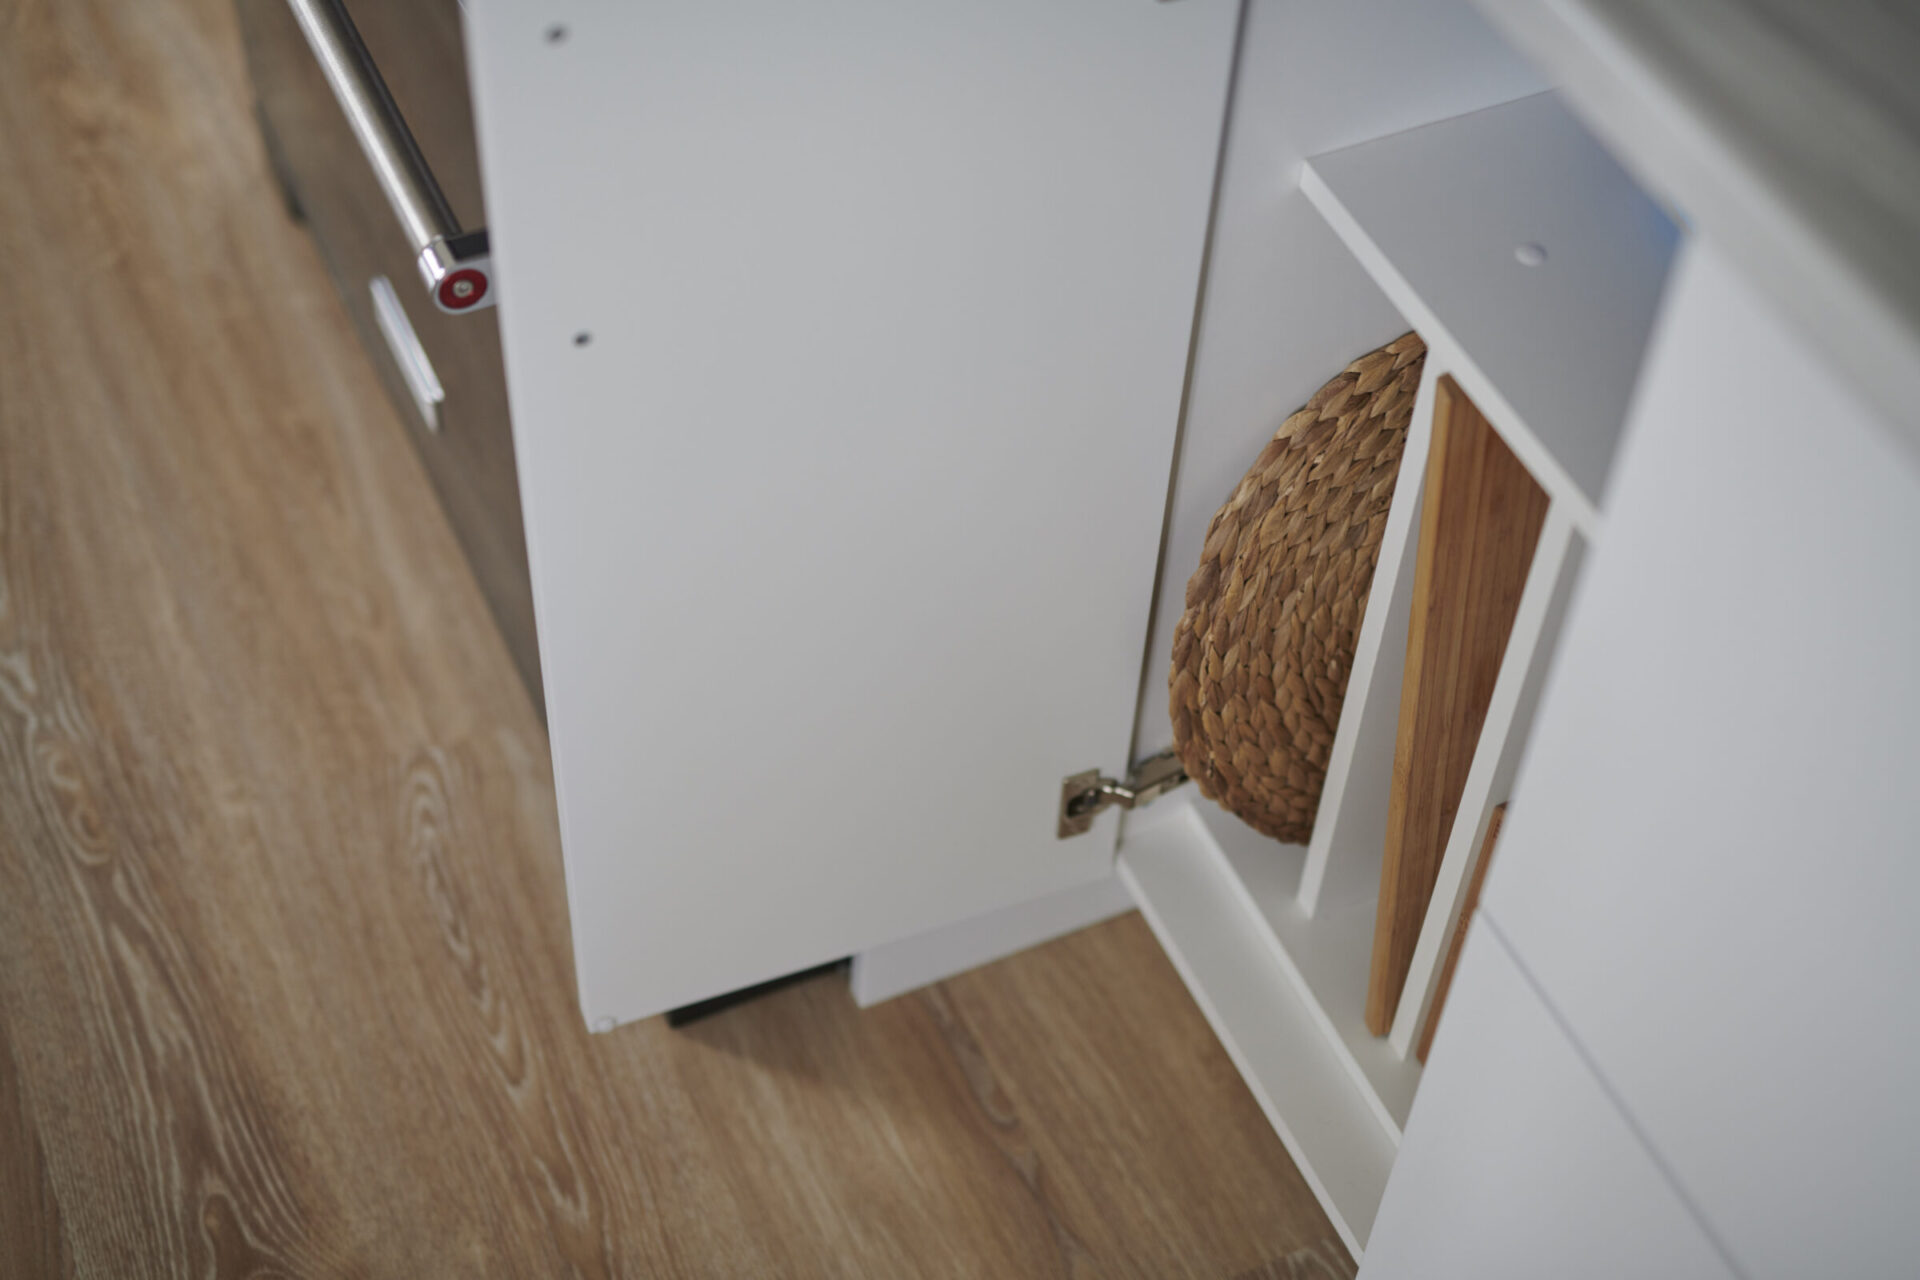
x: 1273, y: 987
x: 1328, y: 957
x: 1439, y: 217
x: 1350, y: 829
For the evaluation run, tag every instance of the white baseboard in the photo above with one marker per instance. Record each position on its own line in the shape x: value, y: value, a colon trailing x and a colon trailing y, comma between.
x: 899, y: 967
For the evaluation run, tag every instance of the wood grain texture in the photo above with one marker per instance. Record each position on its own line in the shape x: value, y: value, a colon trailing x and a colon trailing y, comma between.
x: 1469, y: 903
x: 285, y: 981
x: 1480, y: 517
x: 1322, y: 1262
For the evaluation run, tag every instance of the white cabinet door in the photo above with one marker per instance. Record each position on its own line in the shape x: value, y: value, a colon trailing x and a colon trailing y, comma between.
x: 845, y: 343
x: 1516, y: 1165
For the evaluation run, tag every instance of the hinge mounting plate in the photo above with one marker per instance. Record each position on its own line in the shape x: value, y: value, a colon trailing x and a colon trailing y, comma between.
x: 1085, y: 796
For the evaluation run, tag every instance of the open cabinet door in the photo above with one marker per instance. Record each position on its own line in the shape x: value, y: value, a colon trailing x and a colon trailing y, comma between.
x: 845, y: 344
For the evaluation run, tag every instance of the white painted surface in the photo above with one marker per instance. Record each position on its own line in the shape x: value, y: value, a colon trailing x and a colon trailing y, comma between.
x: 895, y: 968
x: 1286, y: 306
x: 1713, y: 863
x: 1531, y: 646
x: 1327, y: 955
x: 1549, y: 353
x: 843, y: 524
x: 1789, y: 130
x: 409, y: 357
x: 1350, y: 830
x: 1517, y: 1166
x: 1224, y: 954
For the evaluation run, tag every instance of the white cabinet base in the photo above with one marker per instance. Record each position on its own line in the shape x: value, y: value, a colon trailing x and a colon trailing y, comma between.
x: 1256, y: 989
x: 895, y: 968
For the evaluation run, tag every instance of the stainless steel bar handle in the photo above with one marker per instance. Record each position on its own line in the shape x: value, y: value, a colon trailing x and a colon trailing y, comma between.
x: 455, y: 264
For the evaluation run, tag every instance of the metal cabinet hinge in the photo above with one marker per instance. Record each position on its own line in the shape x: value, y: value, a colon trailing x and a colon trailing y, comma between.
x: 1085, y: 796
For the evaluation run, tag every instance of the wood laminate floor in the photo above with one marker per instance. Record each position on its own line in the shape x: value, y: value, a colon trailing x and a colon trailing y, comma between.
x: 284, y: 976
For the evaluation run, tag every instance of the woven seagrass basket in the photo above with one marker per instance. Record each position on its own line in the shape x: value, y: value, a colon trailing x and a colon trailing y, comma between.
x: 1263, y: 651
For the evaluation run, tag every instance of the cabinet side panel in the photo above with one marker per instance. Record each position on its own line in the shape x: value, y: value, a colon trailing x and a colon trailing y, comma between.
x: 1710, y: 860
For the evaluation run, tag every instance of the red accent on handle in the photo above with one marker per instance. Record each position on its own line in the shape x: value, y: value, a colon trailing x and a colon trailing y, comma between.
x: 449, y: 295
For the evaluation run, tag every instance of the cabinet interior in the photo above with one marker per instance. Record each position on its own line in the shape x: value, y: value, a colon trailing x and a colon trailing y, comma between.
x: 1453, y: 194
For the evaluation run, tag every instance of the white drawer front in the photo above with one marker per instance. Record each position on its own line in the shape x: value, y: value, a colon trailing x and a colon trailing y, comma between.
x: 1516, y: 1165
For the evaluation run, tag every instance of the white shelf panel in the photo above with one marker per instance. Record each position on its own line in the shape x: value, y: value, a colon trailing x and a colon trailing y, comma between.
x: 1254, y: 992
x: 1350, y: 829
x: 1328, y: 955
x: 1440, y: 215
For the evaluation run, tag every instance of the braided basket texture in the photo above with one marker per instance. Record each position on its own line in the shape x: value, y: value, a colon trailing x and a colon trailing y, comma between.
x: 1262, y: 653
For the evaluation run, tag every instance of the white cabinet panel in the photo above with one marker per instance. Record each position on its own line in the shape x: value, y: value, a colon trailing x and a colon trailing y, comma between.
x: 845, y: 344
x: 1713, y: 860
x: 1516, y: 1165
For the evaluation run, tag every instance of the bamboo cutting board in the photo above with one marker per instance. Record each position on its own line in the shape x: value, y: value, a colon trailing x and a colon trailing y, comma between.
x: 1479, y: 520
